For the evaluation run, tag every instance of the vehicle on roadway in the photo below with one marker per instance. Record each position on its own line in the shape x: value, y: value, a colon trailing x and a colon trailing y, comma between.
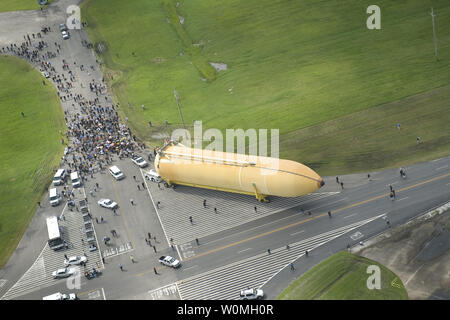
x: 116, y: 173
x: 152, y: 175
x: 170, y: 261
x: 75, y: 178
x: 231, y: 172
x: 63, y: 273
x: 139, y: 161
x: 107, y: 203
x: 251, y: 294
x: 75, y: 260
x: 61, y: 296
x: 55, y: 241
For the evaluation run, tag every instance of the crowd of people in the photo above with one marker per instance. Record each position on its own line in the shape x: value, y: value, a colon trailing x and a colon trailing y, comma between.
x: 94, y: 133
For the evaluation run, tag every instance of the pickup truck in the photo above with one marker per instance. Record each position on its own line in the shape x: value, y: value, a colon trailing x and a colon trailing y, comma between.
x: 170, y: 261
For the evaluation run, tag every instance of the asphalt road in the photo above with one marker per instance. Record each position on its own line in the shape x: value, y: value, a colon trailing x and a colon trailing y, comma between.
x: 230, y: 256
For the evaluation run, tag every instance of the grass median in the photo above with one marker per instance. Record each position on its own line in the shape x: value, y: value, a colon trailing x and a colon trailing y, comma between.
x: 31, y: 147
x: 343, y: 276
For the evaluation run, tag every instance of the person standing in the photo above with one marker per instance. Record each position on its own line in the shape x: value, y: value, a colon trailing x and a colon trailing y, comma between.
x: 121, y: 267
x: 132, y: 202
x: 155, y: 271
x: 292, y: 266
x: 132, y: 259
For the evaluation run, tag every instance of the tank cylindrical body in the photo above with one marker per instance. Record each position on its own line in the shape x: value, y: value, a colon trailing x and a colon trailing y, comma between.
x: 233, y: 172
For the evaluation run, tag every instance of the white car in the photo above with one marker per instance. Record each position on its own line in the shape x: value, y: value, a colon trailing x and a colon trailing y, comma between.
x: 139, y: 161
x: 251, y: 294
x: 75, y: 260
x: 152, y: 175
x: 170, y: 261
x: 63, y: 273
x: 45, y: 74
x: 65, y: 35
x: 107, y: 203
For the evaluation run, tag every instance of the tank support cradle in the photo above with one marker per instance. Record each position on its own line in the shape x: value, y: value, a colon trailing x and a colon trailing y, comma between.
x: 260, y: 197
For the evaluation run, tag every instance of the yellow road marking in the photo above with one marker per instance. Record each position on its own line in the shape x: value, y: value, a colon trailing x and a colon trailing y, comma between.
x: 122, y: 213
x: 307, y: 220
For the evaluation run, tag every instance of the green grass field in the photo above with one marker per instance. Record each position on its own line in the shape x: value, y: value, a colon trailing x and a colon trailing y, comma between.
x: 299, y: 66
x: 343, y: 276
x: 31, y: 147
x: 19, y: 5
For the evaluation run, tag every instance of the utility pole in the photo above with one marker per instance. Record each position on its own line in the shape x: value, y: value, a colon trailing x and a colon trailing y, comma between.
x: 434, y: 36
x: 175, y: 93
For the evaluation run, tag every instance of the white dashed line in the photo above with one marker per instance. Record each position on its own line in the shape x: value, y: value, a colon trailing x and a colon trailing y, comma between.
x: 293, y: 234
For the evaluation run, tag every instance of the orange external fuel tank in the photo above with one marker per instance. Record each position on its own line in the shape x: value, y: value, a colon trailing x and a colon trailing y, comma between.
x: 231, y: 172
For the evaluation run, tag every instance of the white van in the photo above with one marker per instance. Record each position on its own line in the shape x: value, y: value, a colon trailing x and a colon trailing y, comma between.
x: 55, y: 198
x: 116, y: 173
x: 75, y: 178
x: 61, y: 296
x: 59, y: 177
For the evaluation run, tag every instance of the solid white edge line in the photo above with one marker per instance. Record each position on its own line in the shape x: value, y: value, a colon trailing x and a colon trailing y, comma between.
x: 157, y: 213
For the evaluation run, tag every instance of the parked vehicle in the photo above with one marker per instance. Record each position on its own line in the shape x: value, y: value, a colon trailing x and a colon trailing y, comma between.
x: 116, y: 173
x: 61, y: 296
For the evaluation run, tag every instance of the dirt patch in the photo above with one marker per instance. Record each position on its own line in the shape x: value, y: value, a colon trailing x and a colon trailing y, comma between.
x: 418, y: 252
x: 219, y: 66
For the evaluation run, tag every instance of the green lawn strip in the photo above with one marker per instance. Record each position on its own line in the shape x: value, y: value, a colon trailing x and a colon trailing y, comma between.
x: 19, y: 5
x: 31, y: 147
x: 369, y: 139
x: 343, y: 276
x: 291, y: 65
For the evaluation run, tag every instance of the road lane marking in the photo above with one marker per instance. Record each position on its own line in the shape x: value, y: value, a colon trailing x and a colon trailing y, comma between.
x: 351, y: 215
x: 298, y: 232
x: 443, y: 167
x: 403, y: 198
x: 244, y: 250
